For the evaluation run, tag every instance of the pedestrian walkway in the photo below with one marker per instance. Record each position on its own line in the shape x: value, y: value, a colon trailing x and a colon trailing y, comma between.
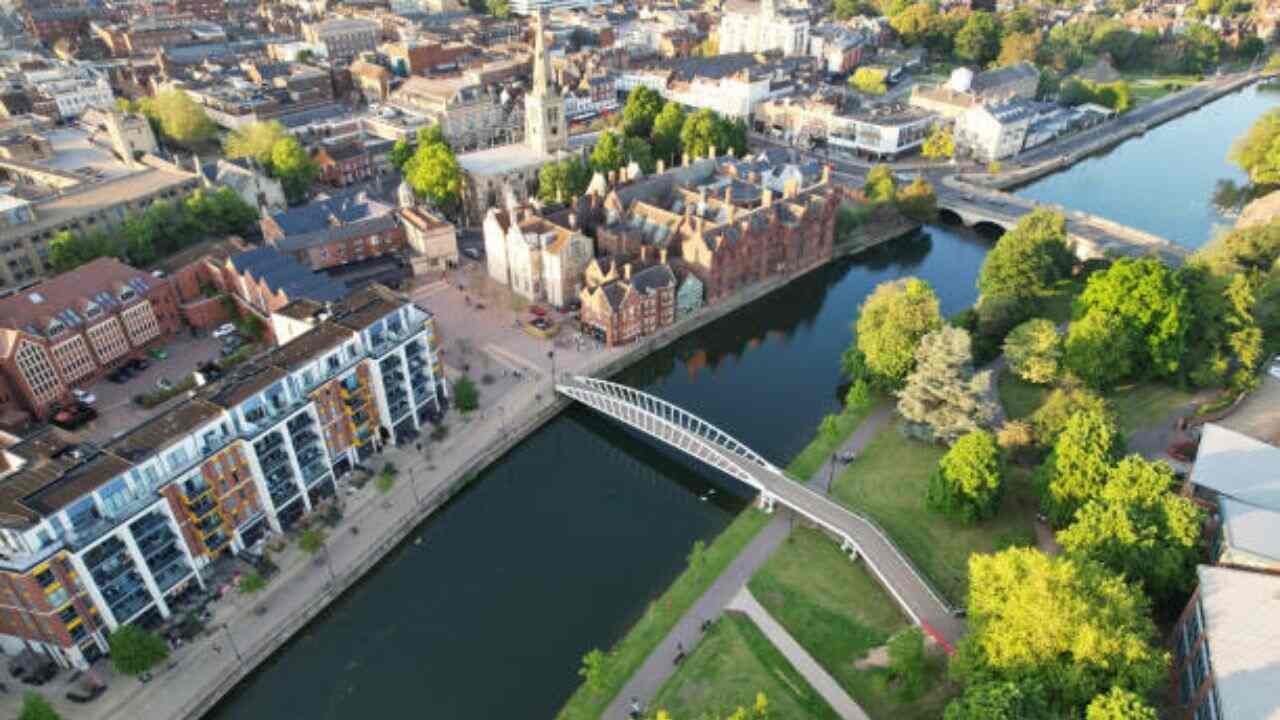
x: 800, y: 659
x: 660, y: 665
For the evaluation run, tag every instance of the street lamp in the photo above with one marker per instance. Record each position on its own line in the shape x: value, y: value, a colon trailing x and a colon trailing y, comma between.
x: 552, y: 354
x: 232, y: 642
x: 413, y: 485
x: 502, y: 420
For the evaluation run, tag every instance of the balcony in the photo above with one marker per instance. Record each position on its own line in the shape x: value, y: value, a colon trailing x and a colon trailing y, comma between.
x: 281, y: 475
x: 314, y: 471
x: 216, y: 542
x: 399, y: 409
x: 360, y: 418
x: 128, y: 606
x: 157, y: 544
x: 194, y: 488
x: 87, y: 534
x: 304, y: 438
x: 209, y: 524
x: 268, y: 443
x: 107, y: 573
x: 309, y: 454
x: 300, y: 422
x: 203, y: 507
x: 395, y: 376
x: 172, y: 574
x: 149, y: 525
x: 273, y: 460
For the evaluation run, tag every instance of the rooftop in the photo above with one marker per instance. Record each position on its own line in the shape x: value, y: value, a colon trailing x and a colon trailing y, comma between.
x: 1242, y: 629
x: 283, y: 274
x: 1238, y: 466
x: 162, y: 430
x: 310, y: 345
x: 71, y: 298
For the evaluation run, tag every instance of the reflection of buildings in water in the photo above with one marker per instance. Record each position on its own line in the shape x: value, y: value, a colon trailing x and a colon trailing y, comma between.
x: 694, y: 363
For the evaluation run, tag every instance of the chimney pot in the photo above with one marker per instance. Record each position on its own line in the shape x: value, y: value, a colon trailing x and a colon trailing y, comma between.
x: 626, y: 272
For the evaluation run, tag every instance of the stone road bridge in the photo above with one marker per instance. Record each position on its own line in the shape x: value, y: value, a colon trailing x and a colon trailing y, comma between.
x: 684, y: 431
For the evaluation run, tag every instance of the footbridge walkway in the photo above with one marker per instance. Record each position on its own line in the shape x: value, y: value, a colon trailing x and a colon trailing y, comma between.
x: 860, y: 536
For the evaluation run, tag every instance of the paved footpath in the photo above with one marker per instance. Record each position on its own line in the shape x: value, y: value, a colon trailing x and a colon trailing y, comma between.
x: 801, y: 660
x: 660, y: 665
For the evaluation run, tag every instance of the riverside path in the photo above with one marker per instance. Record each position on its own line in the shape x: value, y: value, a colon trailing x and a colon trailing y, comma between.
x: 684, y: 431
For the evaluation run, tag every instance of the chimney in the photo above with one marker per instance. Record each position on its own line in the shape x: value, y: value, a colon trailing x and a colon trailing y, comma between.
x: 662, y: 256
x: 766, y: 198
x: 662, y: 167
x: 626, y: 272
x: 711, y: 152
x: 573, y: 220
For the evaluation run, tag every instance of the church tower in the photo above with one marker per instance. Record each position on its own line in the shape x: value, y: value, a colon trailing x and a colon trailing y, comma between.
x: 544, y: 124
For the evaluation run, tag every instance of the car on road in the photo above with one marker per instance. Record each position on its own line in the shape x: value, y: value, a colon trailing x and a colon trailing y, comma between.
x: 1274, y: 370
x: 139, y: 364
x: 158, y: 353
x: 84, y: 396
x: 224, y: 330
x: 120, y: 375
x: 472, y: 253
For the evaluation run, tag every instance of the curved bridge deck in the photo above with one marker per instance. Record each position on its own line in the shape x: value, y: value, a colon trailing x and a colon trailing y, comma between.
x: 687, y: 432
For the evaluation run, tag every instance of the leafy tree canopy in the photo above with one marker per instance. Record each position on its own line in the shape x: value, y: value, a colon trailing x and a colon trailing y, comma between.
x: 979, y: 39
x: 1034, y: 351
x: 968, y: 482
x: 666, y: 133
x: 434, y: 173
x: 295, y: 168
x: 135, y: 651
x: 880, y: 185
x: 941, y: 143
x: 558, y: 182
x: 643, y: 105
x: 1119, y: 704
x: 1257, y: 152
x: 890, y: 324
x: 1079, y: 466
x: 869, y: 80
x: 36, y: 707
x: 1030, y: 259
x: 998, y: 700
x: 942, y: 394
x: 1050, y: 419
x: 1017, y: 47
x: 918, y: 201
x: 256, y: 140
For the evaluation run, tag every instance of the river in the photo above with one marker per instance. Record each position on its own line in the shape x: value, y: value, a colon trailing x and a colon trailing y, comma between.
x: 558, y: 547
x: 1163, y: 182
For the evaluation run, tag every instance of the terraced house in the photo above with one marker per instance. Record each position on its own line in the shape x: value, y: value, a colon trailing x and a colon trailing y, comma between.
x: 93, y: 537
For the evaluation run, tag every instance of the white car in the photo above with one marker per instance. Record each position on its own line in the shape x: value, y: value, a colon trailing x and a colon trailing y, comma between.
x: 87, y: 398
x: 1274, y: 370
x: 224, y: 330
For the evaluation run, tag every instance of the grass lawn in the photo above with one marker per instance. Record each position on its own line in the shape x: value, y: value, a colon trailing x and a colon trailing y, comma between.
x: 888, y: 482
x: 1057, y: 307
x: 732, y: 663
x: 1136, y: 405
x: 837, y: 611
x: 810, y: 459
x: 1146, y: 87
x: 662, y: 614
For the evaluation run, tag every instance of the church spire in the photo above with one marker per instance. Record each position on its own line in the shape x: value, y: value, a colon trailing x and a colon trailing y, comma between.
x: 541, y: 64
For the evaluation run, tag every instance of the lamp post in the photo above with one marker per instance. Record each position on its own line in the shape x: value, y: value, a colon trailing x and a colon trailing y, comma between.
x: 552, y: 355
x: 502, y: 420
x: 232, y: 642
x: 413, y: 484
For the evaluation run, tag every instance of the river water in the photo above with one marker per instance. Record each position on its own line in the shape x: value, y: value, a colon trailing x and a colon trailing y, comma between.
x: 558, y: 547
x: 1163, y: 182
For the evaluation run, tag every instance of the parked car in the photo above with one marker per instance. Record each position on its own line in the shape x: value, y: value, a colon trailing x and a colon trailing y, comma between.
x: 1274, y: 370
x: 163, y: 384
x: 158, y: 353
x: 224, y: 330
x: 83, y: 396
x: 139, y: 364
x: 472, y: 253
x: 120, y: 375
x: 74, y: 417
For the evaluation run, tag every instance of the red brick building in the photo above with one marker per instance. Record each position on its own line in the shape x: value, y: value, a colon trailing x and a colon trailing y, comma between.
x: 620, y: 308
x: 70, y: 330
x: 343, y: 163
x: 50, y: 24
x: 335, y: 231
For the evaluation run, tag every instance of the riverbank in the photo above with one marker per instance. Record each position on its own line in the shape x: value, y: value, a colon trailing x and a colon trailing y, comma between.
x: 258, y: 627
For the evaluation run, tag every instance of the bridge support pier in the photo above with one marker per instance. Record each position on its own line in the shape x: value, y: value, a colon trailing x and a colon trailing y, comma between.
x: 767, y: 502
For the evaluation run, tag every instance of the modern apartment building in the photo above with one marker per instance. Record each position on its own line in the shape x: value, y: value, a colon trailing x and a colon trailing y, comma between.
x: 93, y: 537
x: 73, y: 328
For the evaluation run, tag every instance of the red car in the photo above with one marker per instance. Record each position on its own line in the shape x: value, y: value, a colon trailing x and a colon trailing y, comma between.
x: 538, y: 310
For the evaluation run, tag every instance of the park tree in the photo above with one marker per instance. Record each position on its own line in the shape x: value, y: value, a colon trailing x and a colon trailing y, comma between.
x: 295, y: 169
x: 968, y: 483
x: 869, y: 80
x: 915, y: 23
x: 1257, y: 152
x: 880, y: 186
x: 907, y: 661
x: 36, y: 707
x: 1068, y: 625
x: 312, y: 540
x: 638, y: 151
x: 434, y: 173
x: 135, y: 651
x: 400, y: 153
x: 1034, y: 351
x: 1078, y: 467
x: 918, y: 201
x: 978, y: 41
x: 1199, y: 47
x: 608, y: 154
x: 1119, y: 704
x: 941, y: 143
x: 180, y: 119
x: 665, y: 137
x: 255, y: 140
x: 1018, y: 47
x: 998, y: 700
x: 890, y: 324
x: 702, y: 131
x: 1028, y: 261
x: 1138, y: 526
x: 1253, y: 250
x: 1050, y: 419
x: 1143, y: 308
x: 561, y: 181
x: 500, y: 9
x: 943, y: 397
x: 465, y: 395
x: 643, y: 105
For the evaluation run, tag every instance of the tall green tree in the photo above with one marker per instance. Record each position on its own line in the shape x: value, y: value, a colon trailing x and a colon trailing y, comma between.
x: 1200, y: 48
x: 1050, y: 419
x: 560, y: 182
x: 1029, y: 260
x: 1139, y: 526
x: 907, y: 661
x: 608, y: 154
x: 918, y: 201
x: 869, y: 80
x: 638, y: 151
x: 255, y: 140
x: 941, y: 143
x: 643, y: 105
x: 1069, y: 625
x: 180, y: 119
x: 915, y: 23
x: 1257, y: 152
x: 943, y: 397
x: 1079, y: 466
x: 1018, y: 47
x: 969, y: 481
x: 665, y: 136
x: 880, y: 185
x: 979, y: 40
x: 295, y: 169
x: 998, y: 700
x: 1119, y: 704
x: 704, y: 130
x: 434, y: 173
x: 400, y: 153
x: 1034, y: 351
x: 891, y: 322
x: 135, y: 651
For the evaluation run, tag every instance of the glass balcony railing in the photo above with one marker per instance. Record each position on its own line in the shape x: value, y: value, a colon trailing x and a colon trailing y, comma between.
x: 273, y: 460
x: 268, y: 443
x: 300, y: 423
x: 216, y: 541
x: 309, y: 454
x: 314, y: 471
x: 399, y: 409
x: 203, y: 507
x: 209, y: 523
x: 304, y: 438
x: 156, y: 543
x: 172, y: 574
x: 127, y: 608
x: 109, y: 572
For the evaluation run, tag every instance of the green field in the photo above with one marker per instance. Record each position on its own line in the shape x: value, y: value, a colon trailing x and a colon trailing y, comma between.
x: 1136, y: 405
x: 838, y: 611
x: 888, y: 481
x: 732, y: 663
x: 811, y: 458
x: 630, y: 652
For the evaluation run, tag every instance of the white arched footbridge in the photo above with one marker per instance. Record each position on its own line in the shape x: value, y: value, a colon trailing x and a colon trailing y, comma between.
x: 684, y: 431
